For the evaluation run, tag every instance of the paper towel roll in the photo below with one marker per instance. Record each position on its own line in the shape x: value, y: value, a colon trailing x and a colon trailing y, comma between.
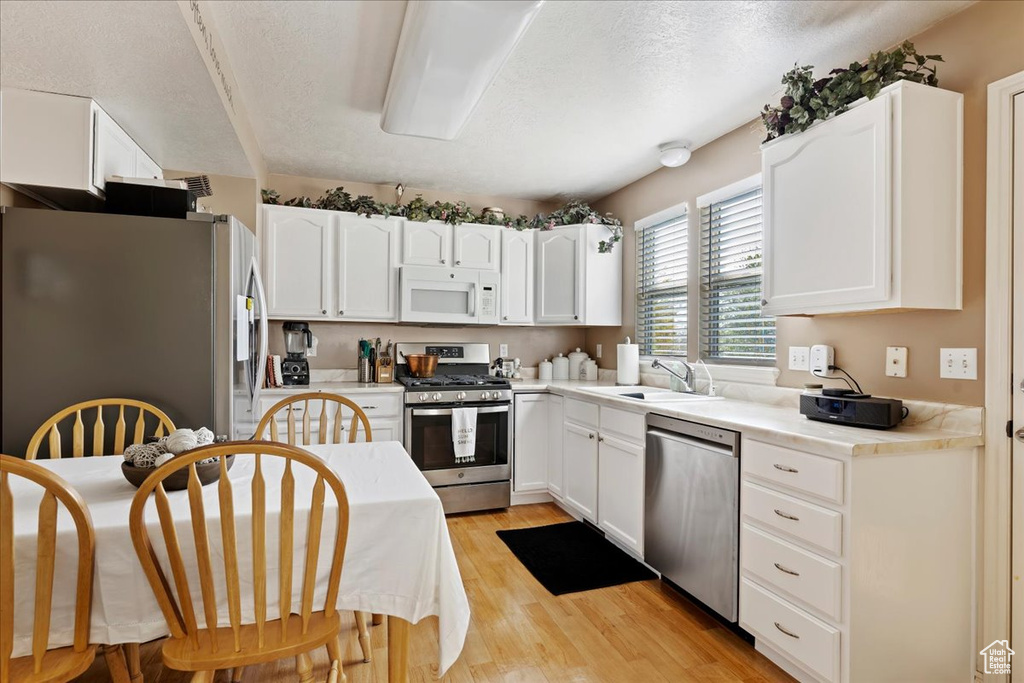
x: 629, y: 364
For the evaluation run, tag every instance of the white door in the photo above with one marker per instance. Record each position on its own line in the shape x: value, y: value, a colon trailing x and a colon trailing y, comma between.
x: 821, y: 247
x: 426, y: 244
x: 1017, y: 448
x: 517, y: 283
x: 477, y: 246
x: 296, y: 260
x: 559, y: 276
x: 620, y: 488
x: 113, y: 150
x: 530, y: 464
x: 556, y: 461
x: 145, y: 167
x: 367, y: 278
x: 580, y: 453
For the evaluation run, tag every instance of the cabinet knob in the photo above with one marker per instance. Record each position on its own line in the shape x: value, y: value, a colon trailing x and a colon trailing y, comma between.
x: 591, y: 436
x: 458, y: 263
x: 764, y: 302
x: 575, y: 317
x: 600, y: 438
x: 324, y: 312
x: 341, y: 312
x: 443, y: 261
x: 506, y: 317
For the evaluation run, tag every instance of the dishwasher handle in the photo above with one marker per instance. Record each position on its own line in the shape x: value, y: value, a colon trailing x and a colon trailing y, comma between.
x: 688, y: 441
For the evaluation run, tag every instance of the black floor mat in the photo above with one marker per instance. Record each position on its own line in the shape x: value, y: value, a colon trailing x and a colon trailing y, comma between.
x: 572, y: 557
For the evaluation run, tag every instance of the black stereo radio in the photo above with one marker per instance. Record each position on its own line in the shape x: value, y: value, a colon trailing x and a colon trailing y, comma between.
x: 858, y: 410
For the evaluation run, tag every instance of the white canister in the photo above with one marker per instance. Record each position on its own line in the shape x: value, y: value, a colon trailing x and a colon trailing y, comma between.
x: 544, y: 370
x: 560, y: 367
x: 576, y: 359
x: 589, y: 370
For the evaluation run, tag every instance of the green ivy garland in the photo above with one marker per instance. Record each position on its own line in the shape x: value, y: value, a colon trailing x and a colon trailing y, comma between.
x: 420, y: 210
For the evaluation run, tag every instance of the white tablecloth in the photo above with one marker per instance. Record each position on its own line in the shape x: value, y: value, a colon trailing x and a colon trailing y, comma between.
x: 399, y: 560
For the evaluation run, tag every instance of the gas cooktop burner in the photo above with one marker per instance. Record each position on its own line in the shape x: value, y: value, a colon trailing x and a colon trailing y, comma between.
x: 454, y: 381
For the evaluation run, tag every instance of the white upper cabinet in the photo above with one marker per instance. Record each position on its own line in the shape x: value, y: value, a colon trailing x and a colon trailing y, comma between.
x: 863, y: 212
x: 426, y: 244
x: 477, y: 246
x: 54, y: 143
x: 296, y: 261
x: 517, y: 280
x: 367, y: 268
x: 577, y: 285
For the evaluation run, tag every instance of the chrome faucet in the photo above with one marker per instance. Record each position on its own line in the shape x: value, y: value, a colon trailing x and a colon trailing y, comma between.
x: 687, y: 379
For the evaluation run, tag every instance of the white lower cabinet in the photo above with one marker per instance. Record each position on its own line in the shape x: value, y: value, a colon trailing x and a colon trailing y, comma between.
x: 859, y: 569
x: 580, y: 453
x: 531, y: 442
x: 620, y: 490
x: 383, y: 411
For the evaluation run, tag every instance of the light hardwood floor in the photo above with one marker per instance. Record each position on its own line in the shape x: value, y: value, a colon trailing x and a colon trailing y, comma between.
x: 519, y: 632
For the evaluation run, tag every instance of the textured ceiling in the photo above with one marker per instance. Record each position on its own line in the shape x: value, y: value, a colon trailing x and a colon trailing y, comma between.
x: 579, y: 108
x: 138, y: 61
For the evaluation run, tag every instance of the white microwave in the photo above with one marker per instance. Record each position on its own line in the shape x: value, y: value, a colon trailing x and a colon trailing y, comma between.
x: 449, y: 296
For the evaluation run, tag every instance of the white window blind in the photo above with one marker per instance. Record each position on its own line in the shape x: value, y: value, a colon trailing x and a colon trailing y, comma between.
x: 732, y: 327
x: 661, y: 271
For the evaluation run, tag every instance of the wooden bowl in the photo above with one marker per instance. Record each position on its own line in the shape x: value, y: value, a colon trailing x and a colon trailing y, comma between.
x: 208, y: 473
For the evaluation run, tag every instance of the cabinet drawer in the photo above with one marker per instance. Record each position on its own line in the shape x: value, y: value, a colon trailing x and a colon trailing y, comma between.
x: 805, y: 576
x: 374, y: 405
x: 581, y: 412
x: 807, y: 522
x: 811, y: 644
x: 624, y: 424
x: 813, y: 474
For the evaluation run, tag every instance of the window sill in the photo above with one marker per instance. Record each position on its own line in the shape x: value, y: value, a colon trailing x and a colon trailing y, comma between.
x: 746, y: 374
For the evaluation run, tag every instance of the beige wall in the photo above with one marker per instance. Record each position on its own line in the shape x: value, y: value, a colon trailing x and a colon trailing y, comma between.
x: 11, y: 197
x: 980, y: 45
x: 231, y: 194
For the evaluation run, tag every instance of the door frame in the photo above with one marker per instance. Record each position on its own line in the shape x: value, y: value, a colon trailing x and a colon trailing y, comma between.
x: 997, y: 497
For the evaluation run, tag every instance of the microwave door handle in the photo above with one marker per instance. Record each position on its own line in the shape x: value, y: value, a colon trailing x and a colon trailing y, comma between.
x: 474, y: 293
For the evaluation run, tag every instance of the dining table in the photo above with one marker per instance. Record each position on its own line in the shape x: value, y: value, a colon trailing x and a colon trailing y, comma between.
x: 399, y: 560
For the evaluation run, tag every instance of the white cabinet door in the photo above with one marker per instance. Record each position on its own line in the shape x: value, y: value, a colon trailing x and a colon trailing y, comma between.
x: 477, y: 246
x: 827, y: 227
x: 296, y: 258
x: 580, y: 453
x: 517, y: 276
x: 383, y: 430
x: 556, y: 461
x: 367, y: 277
x: 145, y: 167
x: 621, y: 491
x: 426, y: 244
x: 559, y: 276
x: 530, y: 469
x: 113, y: 150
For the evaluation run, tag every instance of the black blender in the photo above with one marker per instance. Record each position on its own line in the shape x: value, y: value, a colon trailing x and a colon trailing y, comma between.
x: 295, y: 368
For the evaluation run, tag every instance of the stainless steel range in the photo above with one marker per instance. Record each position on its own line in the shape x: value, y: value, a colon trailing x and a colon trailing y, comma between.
x: 478, y: 477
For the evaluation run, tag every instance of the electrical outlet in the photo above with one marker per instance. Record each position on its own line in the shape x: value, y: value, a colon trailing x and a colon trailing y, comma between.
x: 896, y: 361
x: 958, y: 363
x: 799, y: 358
x: 503, y: 350
x: 311, y: 351
x: 597, y: 353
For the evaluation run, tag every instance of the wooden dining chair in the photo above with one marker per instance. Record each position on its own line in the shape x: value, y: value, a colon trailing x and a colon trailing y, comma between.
x: 44, y: 665
x: 207, y: 649
x: 50, y: 430
x: 331, y: 406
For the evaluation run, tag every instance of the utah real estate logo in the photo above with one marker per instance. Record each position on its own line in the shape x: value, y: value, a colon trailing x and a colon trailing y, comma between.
x: 997, y: 657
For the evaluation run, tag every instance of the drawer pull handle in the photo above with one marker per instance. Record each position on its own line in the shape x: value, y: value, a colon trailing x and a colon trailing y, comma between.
x: 788, y: 633
x: 368, y: 407
x: 591, y: 436
x: 786, y: 571
x: 783, y: 468
x: 786, y: 515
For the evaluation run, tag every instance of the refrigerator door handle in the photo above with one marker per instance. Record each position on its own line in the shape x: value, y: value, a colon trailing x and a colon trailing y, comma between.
x: 261, y: 365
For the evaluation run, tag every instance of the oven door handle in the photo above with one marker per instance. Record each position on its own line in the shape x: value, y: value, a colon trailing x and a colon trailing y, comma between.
x: 448, y: 411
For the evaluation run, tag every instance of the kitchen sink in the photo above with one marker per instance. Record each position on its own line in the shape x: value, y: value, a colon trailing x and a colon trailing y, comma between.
x: 649, y: 394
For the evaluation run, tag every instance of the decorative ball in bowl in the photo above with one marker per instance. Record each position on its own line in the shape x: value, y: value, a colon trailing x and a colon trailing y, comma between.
x: 208, y: 473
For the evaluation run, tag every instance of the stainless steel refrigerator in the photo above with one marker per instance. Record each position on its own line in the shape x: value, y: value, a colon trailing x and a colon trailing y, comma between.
x: 167, y: 311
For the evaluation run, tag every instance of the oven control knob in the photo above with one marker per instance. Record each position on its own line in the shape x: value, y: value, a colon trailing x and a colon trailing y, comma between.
x: 437, y: 397
x: 485, y: 395
x: 461, y: 396
x: 424, y: 397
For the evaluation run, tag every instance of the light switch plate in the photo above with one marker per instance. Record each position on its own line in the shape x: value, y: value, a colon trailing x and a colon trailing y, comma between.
x: 597, y: 353
x: 958, y: 363
x: 799, y: 358
x: 503, y: 350
x: 896, y: 361
x: 311, y: 351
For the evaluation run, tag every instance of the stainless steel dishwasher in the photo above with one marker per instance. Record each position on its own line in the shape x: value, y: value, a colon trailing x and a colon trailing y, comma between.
x: 691, y: 528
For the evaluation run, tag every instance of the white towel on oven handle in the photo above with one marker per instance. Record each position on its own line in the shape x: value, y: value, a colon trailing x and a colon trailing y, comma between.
x: 464, y: 434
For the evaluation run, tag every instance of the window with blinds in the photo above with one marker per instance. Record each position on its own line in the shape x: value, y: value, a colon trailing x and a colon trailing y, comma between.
x: 731, y: 325
x: 661, y: 271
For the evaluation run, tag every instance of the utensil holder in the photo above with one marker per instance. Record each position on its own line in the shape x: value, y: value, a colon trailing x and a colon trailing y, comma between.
x: 363, y: 373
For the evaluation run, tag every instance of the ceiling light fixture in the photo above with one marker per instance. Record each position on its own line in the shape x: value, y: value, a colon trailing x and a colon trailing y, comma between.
x: 673, y: 154
x: 448, y: 55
